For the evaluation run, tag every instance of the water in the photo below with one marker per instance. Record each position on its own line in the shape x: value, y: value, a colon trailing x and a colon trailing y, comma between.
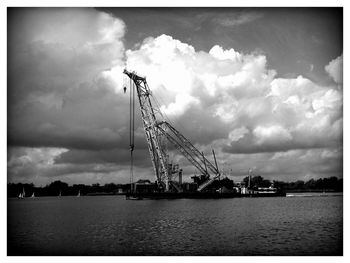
x: 111, y: 225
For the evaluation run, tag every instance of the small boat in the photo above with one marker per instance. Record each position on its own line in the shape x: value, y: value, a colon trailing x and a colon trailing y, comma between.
x: 33, y: 195
x: 59, y: 195
x: 22, y: 195
x: 132, y: 197
x: 78, y: 194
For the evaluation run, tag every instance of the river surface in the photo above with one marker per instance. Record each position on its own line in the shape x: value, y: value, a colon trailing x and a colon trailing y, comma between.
x: 110, y: 225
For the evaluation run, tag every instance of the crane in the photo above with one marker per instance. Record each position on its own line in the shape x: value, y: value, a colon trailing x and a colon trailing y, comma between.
x: 158, y: 132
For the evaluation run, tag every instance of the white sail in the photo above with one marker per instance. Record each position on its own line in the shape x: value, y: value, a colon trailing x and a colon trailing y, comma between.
x: 78, y: 194
x: 33, y: 195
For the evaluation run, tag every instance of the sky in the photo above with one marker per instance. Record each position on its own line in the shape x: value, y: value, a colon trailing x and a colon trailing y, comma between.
x: 261, y: 86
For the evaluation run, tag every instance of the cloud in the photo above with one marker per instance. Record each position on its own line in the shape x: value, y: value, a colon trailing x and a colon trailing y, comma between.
x: 58, y: 94
x: 54, y: 49
x: 182, y: 103
x: 275, y: 132
x: 44, y: 165
x: 300, y: 164
x: 238, y: 19
x: 219, y: 53
x: 335, y: 69
x: 113, y: 156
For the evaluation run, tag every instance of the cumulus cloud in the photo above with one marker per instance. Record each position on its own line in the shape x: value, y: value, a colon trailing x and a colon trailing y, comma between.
x: 273, y: 133
x: 58, y: 95
x: 255, y: 111
x: 335, y: 69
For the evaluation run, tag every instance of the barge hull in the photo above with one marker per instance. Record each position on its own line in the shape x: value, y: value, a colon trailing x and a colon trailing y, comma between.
x: 198, y: 195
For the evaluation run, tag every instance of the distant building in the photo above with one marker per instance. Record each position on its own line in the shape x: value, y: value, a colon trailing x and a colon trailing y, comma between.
x: 144, y: 186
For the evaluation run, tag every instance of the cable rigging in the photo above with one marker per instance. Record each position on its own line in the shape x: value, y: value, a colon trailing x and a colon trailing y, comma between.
x: 131, y: 130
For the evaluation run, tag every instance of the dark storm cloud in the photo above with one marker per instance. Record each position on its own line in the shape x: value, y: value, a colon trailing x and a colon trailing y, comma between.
x: 55, y: 91
x: 247, y: 145
x: 87, y: 117
x: 117, y: 156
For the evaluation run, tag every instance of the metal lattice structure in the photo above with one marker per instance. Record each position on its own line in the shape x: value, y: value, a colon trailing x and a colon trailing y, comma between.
x: 158, y: 132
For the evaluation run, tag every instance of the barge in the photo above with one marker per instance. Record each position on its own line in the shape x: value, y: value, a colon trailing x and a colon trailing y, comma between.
x: 219, y: 189
x: 198, y: 195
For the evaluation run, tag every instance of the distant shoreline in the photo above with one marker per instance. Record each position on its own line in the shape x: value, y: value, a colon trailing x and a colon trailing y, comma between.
x: 59, y: 188
x: 301, y: 191
x: 312, y: 191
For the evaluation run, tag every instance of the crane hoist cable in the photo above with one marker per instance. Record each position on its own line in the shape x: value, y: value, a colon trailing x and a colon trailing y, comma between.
x: 132, y: 132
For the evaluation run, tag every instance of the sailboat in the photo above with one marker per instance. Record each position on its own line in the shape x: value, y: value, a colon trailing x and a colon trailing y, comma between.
x: 22, y: 195
x: 33, y: 195
x: 59, y: 195
x: 78, y: 194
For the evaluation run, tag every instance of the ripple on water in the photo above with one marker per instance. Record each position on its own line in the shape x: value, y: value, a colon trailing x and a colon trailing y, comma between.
x: 113, y: 226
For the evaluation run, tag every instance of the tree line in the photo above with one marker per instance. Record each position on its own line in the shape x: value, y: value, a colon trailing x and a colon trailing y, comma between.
x: 322, y: 184
x: 57, y: 188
